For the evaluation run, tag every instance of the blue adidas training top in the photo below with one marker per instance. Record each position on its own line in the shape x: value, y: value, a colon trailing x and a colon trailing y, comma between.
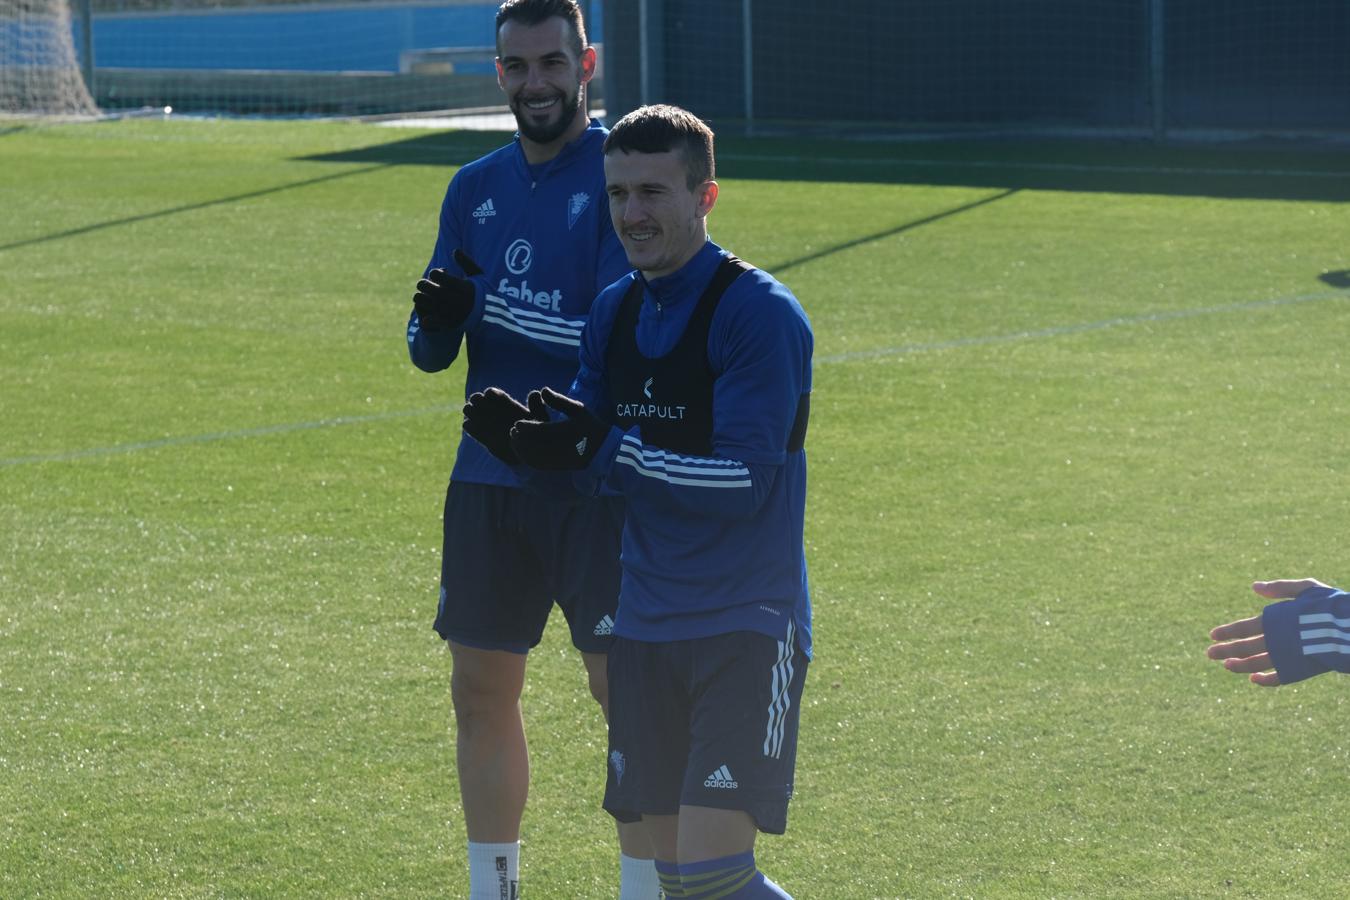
x: 711, y: 544
x: 543, y: 237
x: 1309, y: 635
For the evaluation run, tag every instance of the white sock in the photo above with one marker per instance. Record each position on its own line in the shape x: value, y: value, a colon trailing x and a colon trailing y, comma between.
x: 637, y: 879
x: 494, y: 871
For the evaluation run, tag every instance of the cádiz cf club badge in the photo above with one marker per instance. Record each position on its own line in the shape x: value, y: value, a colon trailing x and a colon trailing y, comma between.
x: 575, y: 207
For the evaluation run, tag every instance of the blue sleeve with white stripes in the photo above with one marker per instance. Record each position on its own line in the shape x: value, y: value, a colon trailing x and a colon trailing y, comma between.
x: 1309, y: 635
x: 712, y: 486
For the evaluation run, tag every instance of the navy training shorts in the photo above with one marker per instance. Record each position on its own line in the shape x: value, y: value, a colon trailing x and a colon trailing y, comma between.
x: 509, y: 555
x: 704, y: 722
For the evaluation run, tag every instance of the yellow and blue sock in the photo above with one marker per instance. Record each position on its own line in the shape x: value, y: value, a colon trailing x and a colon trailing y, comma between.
x: 728, y: 878
x: 669, y: 875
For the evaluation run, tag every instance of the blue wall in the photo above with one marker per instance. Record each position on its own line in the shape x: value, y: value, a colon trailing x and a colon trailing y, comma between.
x: 364, y: 38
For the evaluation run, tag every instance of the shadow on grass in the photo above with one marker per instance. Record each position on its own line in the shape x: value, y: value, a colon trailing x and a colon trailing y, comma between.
x: 1287, y: 172
x: 439, y: 148
x: 189, y: 207
x: 455, y: 148
x: 880, y: 235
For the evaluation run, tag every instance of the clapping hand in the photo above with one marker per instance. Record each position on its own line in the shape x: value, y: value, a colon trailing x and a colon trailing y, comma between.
x: 443, y: 301
x: 489, y: 417
x: 568, y: 443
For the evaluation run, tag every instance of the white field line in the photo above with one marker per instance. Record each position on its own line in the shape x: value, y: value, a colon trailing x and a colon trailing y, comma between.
x: 829, y: 359
x: 224, y: 436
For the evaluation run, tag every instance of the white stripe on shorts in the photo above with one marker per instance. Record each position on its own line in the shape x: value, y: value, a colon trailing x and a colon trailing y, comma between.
x: 782, y: 701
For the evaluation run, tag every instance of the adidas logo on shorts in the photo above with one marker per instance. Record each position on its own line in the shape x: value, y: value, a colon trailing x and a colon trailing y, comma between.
x: 604, y: 626
x: 722, y: 778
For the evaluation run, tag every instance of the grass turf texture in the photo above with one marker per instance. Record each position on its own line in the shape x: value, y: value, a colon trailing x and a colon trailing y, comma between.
x: 1069, y: 401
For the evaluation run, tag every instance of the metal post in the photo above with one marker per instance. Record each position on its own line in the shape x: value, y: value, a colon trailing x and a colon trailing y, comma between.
x: 748, y: 65
x: 644, y: 55
x: 87, y: 45
x: 1157, y: 64
x: 651, y: 41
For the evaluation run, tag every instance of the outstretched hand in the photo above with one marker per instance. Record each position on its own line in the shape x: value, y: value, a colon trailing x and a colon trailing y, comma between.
x: 566, y: 444
x: 1242, y: 644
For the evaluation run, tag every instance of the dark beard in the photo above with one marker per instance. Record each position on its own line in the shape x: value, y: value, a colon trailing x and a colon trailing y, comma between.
x: 546, y: 134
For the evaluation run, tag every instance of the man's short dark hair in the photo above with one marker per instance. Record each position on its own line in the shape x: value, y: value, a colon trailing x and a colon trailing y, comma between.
x: 532, y: 12
x: 661, y: 128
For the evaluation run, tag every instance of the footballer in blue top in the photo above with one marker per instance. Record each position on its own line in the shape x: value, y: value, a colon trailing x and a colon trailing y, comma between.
x: 525, y: 245
x: 542, y: 237
x: 714, y: 536
x: 1305, y: 633
x: 691, y: 402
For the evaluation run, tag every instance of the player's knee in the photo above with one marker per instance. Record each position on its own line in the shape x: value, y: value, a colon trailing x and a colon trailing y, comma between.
x: 478, y: 689
x: 483, y: 713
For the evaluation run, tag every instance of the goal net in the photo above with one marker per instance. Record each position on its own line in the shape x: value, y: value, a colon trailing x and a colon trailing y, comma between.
x: 39, y: 71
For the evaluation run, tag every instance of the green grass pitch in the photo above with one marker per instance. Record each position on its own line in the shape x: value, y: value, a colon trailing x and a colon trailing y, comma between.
x: 1070, y: 400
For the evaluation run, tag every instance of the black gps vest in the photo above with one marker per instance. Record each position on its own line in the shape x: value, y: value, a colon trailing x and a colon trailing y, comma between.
x: 669, y: 398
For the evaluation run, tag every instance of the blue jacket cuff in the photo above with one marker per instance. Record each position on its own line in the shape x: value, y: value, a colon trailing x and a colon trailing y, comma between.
x: 1308, y: 635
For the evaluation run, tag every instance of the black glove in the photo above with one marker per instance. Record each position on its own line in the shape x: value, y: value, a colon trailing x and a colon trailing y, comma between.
x: 569, y: 443
x: 488, y: 417
x: 443, y: 301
